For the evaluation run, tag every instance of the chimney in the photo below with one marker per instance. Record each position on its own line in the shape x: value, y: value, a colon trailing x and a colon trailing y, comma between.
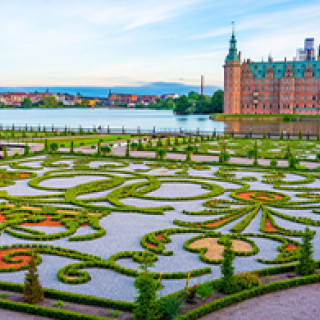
x: 202, y: 85
x: 240, y: 56
x: 285, y: 59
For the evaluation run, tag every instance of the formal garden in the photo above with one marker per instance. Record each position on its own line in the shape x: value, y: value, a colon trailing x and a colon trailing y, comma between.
x: 100, y: 228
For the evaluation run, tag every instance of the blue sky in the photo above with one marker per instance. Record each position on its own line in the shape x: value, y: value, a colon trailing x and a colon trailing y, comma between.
x: 129, y: 42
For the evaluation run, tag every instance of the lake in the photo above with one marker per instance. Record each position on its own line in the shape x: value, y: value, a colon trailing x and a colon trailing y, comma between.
x: 146, y: 119
x: 115, y: 118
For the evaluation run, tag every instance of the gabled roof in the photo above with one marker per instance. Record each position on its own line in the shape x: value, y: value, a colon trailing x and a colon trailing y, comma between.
x: 259, y: 69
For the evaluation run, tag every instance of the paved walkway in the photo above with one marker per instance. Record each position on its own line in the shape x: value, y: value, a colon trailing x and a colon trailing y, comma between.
x: 13, y: 315
x: 301, y: 303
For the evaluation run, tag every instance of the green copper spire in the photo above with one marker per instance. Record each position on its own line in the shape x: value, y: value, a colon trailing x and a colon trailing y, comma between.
x: 233, y: 53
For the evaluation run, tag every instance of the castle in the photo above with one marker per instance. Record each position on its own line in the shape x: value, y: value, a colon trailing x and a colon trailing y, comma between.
x: 272, y: 87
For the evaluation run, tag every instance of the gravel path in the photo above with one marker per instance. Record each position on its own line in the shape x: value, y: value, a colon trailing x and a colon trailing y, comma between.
x: 13, y: 315
x: 301, y: 303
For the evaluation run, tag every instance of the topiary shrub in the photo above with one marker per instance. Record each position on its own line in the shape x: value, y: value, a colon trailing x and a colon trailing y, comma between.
x: 147, y: 305
x: 32, y: 290
x: 306, y: 264
x: 273, y: 163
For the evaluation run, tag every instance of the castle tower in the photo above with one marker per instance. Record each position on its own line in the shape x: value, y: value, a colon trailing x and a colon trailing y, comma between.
x: 232, y: 79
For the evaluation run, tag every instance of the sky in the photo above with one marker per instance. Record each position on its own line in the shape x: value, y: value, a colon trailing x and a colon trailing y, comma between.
x: 133, y: 42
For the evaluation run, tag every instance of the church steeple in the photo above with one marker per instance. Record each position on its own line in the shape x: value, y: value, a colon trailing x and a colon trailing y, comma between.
x: 233, y: 54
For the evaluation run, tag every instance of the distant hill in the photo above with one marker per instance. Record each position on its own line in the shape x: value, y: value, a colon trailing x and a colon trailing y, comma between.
x: 149, y: 88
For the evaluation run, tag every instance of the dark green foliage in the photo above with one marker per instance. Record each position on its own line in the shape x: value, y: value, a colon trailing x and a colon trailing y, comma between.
x: 72, y: 147
x: 128, y: 149
x: 5, y: 152
x: 205, y: 289
x: 26, y: 103
x: 160, y: 153
x: 176, y: 140
x: 147, y: 305
x: 54, y: 147
x: 32, y: 291
x: 306, y: 263
x: 46, y: 146
x: 255, y: 162
x: 246, y: 280
x: 140, y: 146
x: 273, y: 163
x: 168, y: 142
x: 171, y: 306
x: 26, y: 149
x: 293, y: 161
x: 227, y: 268
x: 159, y: 142
x: 105, y: 149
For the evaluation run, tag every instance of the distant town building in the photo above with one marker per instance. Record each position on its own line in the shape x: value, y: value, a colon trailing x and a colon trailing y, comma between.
x: 169, y: 95
x: 131, y: 99
x: 271, y: 87
x: 16, y: 98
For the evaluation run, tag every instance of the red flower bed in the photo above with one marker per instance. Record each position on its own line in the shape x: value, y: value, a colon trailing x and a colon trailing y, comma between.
x: 269, y: 226
x: 25, y: 259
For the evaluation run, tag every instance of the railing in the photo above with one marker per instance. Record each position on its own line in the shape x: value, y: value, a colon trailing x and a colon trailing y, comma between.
x: 140, y: 131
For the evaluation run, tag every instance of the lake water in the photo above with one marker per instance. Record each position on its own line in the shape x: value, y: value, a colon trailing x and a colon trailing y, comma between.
x: 146, y: 119
x: 115, y: 118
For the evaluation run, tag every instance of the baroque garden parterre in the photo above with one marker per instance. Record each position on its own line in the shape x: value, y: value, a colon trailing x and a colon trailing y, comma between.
x: 89, y: 219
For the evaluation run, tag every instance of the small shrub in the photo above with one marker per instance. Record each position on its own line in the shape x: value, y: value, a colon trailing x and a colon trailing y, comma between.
x: 306, y: 264
x: 273, y: 163
x: 205, y: 290
x: 246, y: 280
x: 171, y: 307
x: 59, y: 304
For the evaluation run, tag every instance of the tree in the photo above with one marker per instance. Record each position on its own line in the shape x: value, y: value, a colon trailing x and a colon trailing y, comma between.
x: 48, y: 102
x: 32, y: 290
x: 293, y: 161
x: 147, y: 304
x: 54, y: 147
x: 217, y: 101
x: 159, y: 142
x: 105, y: 149
x: 71, y: 146
x: 273, y: 163
x: 188, y: 156
x: 183, y: 105
x: 128, y: 149
x: 46, y: 145
x: 160, y: 153
x: 306, y: 264
x: 227, y: 268
x: 26, y: 149
x: 26, y: 103
x: 255, y: 162
x: 99, y: 148
x: 5, y: 152
x: 224, y: 156
x: 140, y: 145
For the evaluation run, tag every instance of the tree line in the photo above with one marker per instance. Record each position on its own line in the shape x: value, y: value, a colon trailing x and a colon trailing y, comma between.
x: 193, y: 103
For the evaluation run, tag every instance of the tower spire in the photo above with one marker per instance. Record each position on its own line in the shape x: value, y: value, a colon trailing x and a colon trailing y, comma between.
x: 233, y: 54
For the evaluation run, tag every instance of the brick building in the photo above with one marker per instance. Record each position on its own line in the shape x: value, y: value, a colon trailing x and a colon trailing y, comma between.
x: 272, y: 87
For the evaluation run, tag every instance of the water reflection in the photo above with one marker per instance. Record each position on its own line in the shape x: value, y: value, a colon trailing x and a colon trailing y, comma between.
x: 260, y: 126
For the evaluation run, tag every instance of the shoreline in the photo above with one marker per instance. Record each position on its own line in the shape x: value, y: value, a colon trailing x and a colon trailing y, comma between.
x: 269, y: 117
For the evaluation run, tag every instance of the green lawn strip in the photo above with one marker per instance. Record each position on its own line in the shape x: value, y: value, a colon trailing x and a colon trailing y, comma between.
x: 83, y: 140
